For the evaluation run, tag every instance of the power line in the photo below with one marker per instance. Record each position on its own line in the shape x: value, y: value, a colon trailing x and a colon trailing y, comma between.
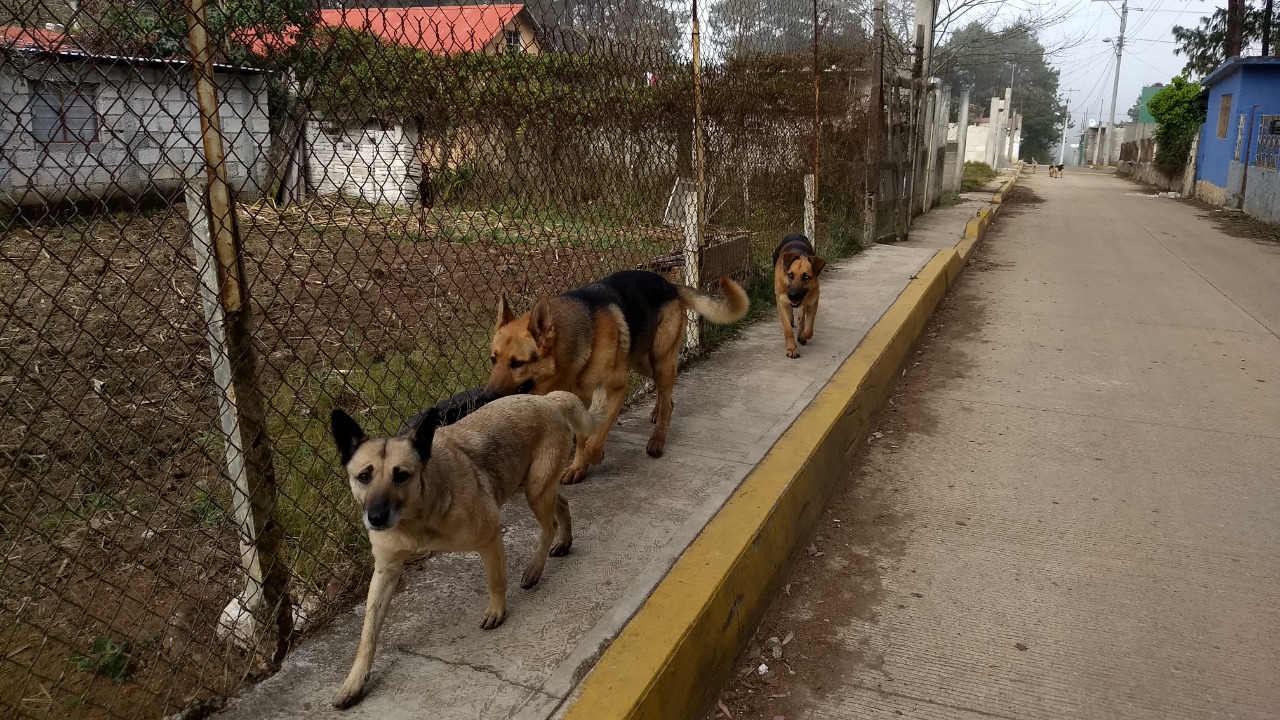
x: 1137, y: 56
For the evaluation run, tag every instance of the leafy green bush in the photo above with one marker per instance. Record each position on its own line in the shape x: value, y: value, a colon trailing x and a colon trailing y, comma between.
x: 1179, y: 116
x: 976, y: 176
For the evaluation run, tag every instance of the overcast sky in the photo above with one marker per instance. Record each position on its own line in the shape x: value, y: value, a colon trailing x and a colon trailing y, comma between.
x: 1088, y: 66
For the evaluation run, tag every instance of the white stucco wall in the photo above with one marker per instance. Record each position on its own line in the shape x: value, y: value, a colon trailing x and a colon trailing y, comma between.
x: 379, y: 166
x: 148, y: 137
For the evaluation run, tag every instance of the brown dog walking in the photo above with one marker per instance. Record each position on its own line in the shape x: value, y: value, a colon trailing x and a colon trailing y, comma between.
x: 586, y: 340
x: 431, y: 490
x: 796, y: 284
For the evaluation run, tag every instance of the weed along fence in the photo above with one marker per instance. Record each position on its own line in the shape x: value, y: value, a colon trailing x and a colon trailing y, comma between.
x: 218, y: 221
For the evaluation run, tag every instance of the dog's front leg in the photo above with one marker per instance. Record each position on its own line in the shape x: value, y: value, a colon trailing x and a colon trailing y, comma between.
x: 784, y: 314
x: 811, y: 313
x: 495, y: 569
x: 386, y: 577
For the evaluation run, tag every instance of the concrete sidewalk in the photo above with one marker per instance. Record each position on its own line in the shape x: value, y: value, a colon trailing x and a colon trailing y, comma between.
x: 1071, y: 510
x: 632, y: 519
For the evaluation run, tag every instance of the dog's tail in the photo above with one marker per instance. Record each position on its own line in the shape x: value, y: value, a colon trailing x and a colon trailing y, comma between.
x: 574, y: 412
x: 719, y: 310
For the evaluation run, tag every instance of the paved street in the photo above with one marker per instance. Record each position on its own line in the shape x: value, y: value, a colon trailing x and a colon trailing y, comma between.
x: 1072, y: 507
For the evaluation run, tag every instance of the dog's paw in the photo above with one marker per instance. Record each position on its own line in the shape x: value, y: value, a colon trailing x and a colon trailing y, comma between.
x: 791, y: 353
x: 493, y: 617
x: 655, y: 447
x: 530, y: 578
x: 561, y: 548
x: 803, y: 340
x: 348, y: 695
x: 653, y: 414
x: 573, y: 475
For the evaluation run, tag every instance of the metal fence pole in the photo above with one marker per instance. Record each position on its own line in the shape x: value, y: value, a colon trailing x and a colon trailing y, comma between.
x: 240, y: 403
x: 695, y: 221
x: 811, y: 207
x: 811, y: 182
x: 692, y: 201
x: 875, y: 116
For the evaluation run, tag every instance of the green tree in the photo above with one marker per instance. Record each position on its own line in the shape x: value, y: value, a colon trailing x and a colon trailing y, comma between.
x: 1179, y: 115
x: 782, y: 27
x: 984, y: 61
x: 158, y: 28
x: 1205, y: 45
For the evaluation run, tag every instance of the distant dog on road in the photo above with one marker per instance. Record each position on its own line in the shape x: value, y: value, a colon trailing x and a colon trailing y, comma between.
x: 440, y: 491
x: 796, y: 271
x: 586, y: 340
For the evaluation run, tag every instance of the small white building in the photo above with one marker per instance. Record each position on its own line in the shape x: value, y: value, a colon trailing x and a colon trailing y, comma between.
x: 376, y: 163
x: 382, y: 162
x: 83, y: 127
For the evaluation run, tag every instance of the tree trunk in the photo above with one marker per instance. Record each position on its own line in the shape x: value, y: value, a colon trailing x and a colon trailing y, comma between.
x: 1267, y: 16
x: 1235, y: 28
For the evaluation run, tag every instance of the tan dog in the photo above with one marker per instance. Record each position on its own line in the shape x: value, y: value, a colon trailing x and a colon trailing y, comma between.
x: 440, y: 491
x: 796, y: 285
x: 586, y: 340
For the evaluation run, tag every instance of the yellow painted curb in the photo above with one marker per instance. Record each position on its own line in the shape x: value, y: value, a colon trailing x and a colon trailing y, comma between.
x: 683, y: 641
x: 681, y: 645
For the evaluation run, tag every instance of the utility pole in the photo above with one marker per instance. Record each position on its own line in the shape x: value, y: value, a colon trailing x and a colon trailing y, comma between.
x: 1115, y: 85
x: 1006, y: 125
x: 1062, y: 154
x: 1097, y: 140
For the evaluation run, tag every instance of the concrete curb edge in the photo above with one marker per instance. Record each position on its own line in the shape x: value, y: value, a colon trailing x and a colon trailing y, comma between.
x: 682, y: 643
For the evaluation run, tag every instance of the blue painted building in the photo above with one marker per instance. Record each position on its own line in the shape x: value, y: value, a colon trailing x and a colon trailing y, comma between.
x: 1240, y: 139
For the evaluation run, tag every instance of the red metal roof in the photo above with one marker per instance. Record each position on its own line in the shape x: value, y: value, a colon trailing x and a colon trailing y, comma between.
x: 440, y: 30
x: 19, y: 38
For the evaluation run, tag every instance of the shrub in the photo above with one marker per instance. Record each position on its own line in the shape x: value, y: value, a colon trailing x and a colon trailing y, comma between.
x: 1179, y: 117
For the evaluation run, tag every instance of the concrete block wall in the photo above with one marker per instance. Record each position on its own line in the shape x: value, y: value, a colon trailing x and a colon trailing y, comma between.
x: 975, y: 145
x: 1262, y: 195
x: 378, y: 166
x: 148, y: 134
x: 1147, y: 172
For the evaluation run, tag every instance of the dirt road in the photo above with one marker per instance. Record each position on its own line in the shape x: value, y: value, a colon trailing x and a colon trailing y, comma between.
x: 1071, y: 509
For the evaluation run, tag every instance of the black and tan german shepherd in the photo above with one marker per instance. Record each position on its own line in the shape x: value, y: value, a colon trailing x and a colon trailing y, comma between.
x: 796, y: 287
x: 586, y: 340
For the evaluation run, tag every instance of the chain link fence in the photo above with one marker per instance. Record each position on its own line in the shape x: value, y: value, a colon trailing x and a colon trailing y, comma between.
x: 218, y: 222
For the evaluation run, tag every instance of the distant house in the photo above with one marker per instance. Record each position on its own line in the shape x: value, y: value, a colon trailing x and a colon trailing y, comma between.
x: 384, y: 163
x: 1240, y: 139
x: 1143, y: 115
x: 83, y: 127
x: 1093, y: 145
x: 1144, y: 124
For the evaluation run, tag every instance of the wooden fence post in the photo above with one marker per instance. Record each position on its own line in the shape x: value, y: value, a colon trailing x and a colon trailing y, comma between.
x: 216, y: 242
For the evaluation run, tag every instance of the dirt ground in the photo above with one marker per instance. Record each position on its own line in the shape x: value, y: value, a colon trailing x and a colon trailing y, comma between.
x: 1237, y: 224
x: 117, y: 549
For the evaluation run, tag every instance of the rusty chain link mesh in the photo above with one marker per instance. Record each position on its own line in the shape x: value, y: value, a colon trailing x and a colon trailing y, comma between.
x: 394, y: 170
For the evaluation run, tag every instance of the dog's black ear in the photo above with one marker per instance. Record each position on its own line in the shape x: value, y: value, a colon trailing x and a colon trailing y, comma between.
x: 425, y: 433
x: 787, y: 258
x: 817, y: 264
x: 504, y: 312
x: 541, y: 323
x: 347, y: 434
